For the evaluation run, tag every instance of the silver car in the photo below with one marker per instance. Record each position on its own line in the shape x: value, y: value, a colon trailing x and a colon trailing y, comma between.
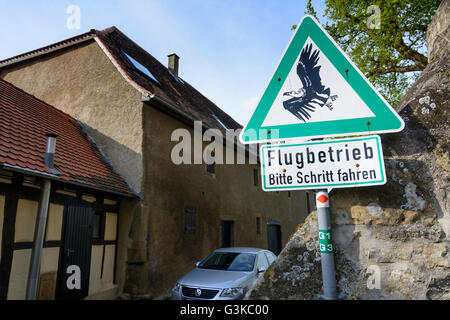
x: 226, y: 274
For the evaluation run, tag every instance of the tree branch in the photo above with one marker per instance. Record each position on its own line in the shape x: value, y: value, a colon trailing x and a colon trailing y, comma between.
x: 409, y: 53
x: 400, y: 69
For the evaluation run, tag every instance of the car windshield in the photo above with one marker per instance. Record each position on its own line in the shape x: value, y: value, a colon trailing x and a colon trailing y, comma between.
x: 230, y: 261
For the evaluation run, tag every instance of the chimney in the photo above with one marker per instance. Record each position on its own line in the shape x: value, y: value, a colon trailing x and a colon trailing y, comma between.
x: 49, y: 158
x: 173, y: 63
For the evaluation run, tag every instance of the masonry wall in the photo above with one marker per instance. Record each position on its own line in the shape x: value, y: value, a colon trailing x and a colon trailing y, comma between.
x: 228, y: 194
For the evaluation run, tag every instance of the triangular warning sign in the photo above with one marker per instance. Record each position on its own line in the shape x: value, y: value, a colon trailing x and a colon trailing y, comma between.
x: 317, y: 91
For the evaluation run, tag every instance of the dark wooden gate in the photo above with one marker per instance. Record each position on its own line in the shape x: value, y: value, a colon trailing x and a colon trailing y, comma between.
x: 75, y: 258
x: 274, y: 237
x: 227, y: 233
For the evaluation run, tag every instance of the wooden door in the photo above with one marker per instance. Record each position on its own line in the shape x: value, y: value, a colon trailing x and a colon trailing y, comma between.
x: 274, y: 237
x: 75, y: 257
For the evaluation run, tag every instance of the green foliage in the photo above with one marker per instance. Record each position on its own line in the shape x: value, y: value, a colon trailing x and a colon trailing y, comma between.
x: 310, y: 10
x: 386, y: 39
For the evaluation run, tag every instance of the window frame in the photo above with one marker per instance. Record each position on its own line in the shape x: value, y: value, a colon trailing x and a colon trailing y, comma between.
x: 211, y: 167
x: 255, y: 177
x: 258, y: 225
x: 102, y: 225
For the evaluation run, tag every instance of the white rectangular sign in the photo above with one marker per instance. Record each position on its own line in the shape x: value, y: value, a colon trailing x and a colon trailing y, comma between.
x: 338, y: 163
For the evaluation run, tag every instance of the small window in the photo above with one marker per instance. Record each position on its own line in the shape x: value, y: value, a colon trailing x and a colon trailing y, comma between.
x: 175, y: 77
x: 258, y: 225
x: 211, y: 168
x: 255, y: 177
x: 189, y: 220
x: 98, y: 225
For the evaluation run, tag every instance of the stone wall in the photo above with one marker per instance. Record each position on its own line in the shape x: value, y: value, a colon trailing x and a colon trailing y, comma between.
x: 438, y: 33
x: 228, y: 194
x: 392, y: 241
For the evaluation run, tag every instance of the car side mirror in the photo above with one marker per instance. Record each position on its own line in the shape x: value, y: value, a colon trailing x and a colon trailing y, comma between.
x: 262, y: 269
x: 197, y: 263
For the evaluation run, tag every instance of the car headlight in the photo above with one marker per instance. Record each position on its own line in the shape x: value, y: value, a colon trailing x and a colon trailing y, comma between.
x: 177, y: 286
x: 232, y: 292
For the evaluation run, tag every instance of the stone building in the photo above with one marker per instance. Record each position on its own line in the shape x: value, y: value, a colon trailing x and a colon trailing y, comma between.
x: 130, y: 104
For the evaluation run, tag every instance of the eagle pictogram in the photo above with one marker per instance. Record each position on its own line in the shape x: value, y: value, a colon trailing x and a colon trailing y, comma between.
x: 313, y: 93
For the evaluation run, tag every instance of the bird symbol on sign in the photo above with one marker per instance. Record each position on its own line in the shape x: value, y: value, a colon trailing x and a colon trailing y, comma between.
x: 304, y: 101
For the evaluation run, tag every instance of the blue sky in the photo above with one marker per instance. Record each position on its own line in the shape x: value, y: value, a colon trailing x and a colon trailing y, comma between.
x: 228, y: 48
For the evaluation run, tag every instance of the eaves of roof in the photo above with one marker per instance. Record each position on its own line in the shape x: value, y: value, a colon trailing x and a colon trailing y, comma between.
x: 48, y: 49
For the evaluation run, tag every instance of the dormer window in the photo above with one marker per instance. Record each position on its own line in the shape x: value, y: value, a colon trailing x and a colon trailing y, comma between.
x: 176, y: 77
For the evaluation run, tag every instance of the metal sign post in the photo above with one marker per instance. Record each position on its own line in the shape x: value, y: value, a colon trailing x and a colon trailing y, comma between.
x: 326, y: 246
x: 336, y: 163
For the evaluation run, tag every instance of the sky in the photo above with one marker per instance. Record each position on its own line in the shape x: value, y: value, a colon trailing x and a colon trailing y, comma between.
x: 228, y: 48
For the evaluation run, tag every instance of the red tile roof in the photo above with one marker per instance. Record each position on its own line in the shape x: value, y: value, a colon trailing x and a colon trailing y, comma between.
x: 24, y: 123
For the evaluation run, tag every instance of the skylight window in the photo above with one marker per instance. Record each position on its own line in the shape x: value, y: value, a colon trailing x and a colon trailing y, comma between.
x: 140, y: 67
x: 176, y: 78
x: 220, y: 122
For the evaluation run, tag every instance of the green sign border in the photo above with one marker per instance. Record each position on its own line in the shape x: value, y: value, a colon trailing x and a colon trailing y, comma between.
x: 385, y: 120
x: 320, y: 186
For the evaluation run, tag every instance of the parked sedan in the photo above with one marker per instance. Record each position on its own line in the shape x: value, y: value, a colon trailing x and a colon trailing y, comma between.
x: 226, y: 274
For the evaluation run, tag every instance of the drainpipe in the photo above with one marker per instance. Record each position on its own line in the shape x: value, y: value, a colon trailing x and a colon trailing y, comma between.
x: 41, y: 222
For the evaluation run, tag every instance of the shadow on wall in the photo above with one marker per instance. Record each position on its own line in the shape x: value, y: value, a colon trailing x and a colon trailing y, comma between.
x: 133, y: 236
x: 407, y: 197
x: 415, y: 138
x: 125, y: 161
x: 347, y: 255
x: 409, y: 194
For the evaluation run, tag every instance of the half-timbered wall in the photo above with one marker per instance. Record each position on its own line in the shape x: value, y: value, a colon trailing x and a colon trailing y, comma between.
x: 19, y: 202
